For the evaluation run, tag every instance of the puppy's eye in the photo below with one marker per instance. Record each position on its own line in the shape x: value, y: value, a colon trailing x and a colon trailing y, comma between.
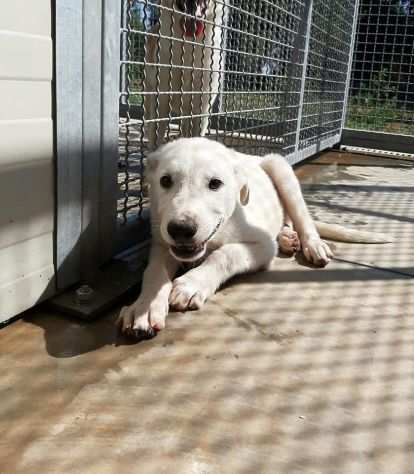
x: 166, y: 181
x: 215, y: 184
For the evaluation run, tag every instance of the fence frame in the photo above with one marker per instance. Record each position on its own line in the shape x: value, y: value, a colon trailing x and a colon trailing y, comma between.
x: 87, y: 79
x: 378, y: 140
x: 87, y: 88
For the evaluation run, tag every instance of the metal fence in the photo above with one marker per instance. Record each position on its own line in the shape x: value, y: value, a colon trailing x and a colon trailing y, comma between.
x: 263, y: 76
x: 381, y: 96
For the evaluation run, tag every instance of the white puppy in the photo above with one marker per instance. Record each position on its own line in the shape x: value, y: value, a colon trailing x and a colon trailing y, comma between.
x: 218, y: 211
x: 188, y: 37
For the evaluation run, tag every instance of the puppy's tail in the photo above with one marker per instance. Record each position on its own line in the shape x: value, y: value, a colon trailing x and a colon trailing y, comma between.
x: 286, y: 183
x: 344, y: 234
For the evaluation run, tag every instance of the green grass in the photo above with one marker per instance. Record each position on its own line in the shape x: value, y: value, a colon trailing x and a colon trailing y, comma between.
x: 376, y: 108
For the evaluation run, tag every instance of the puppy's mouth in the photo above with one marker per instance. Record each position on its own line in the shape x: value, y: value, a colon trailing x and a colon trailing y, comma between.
x: 190, y: 252
x: 192, y: 28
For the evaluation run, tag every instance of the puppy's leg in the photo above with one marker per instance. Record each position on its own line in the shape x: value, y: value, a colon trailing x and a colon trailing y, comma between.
x: 186, y: 124
x: 207, y: 102
x: 150, y: 82
x: 207, y: 99
x: 191, y: 290
x: 197, y: 125
x: 288, y: 187
x: 186, y: 128
x: 161, y: 128
x: 210, y: 85
x: 151, y: 129
x: 147, y: 315
x: 156, y: 111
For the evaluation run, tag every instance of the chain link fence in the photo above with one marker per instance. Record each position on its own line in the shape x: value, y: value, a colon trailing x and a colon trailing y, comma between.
x: 381, y: 96
x: 263, y: 76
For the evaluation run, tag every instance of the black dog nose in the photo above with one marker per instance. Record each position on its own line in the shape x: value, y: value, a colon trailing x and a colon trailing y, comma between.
x: 180, y: 230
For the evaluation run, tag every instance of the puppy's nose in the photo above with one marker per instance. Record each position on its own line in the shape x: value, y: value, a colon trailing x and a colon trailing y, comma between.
x: 182, y: 230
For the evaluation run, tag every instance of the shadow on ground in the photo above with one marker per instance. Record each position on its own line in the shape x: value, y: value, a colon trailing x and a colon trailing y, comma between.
x: 295, y: 370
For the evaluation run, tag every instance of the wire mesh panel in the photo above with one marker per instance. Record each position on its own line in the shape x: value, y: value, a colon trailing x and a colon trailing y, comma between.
x: 381, y: 94
x: 263, y: 76
x: 326, y: 72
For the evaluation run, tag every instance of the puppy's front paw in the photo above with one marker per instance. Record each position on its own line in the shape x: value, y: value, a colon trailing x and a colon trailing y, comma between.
x: 186, y: 294
x: 288, y: 240
x: 142, y: 321
x: 317, y: 251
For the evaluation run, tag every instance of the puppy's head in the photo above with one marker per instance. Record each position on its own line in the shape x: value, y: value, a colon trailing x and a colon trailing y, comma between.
x: 193, y: 25
x: 195, y: 185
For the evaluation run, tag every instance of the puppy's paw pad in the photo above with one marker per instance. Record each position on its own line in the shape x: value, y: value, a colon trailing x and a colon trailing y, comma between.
x: 288, y: 240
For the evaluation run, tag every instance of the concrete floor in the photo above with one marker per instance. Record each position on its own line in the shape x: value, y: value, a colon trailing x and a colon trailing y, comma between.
x: 294, y: 370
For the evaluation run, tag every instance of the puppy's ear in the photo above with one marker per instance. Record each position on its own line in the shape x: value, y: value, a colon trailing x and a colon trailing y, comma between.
x: 243, y: 184
x: 244, y: 194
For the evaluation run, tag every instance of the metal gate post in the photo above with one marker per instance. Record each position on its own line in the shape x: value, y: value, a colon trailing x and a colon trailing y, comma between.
x: 298, y: 46
x: 87, y: 134
x: 110, y: 127
x: 87, y: 140
x: 68, y: 140
x: 92, y: 112
x: 349, y: 72
x: 308, y: 15
x: 78, y: 44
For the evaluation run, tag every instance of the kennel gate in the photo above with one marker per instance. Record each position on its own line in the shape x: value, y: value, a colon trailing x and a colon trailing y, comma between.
x: 283, y: 73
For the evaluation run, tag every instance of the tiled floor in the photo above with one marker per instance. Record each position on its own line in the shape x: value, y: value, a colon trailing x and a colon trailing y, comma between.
x: 294, y: 370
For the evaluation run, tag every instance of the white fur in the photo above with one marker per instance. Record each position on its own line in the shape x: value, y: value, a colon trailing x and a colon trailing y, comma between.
x: 245, y: 215
x: 195, y: 68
